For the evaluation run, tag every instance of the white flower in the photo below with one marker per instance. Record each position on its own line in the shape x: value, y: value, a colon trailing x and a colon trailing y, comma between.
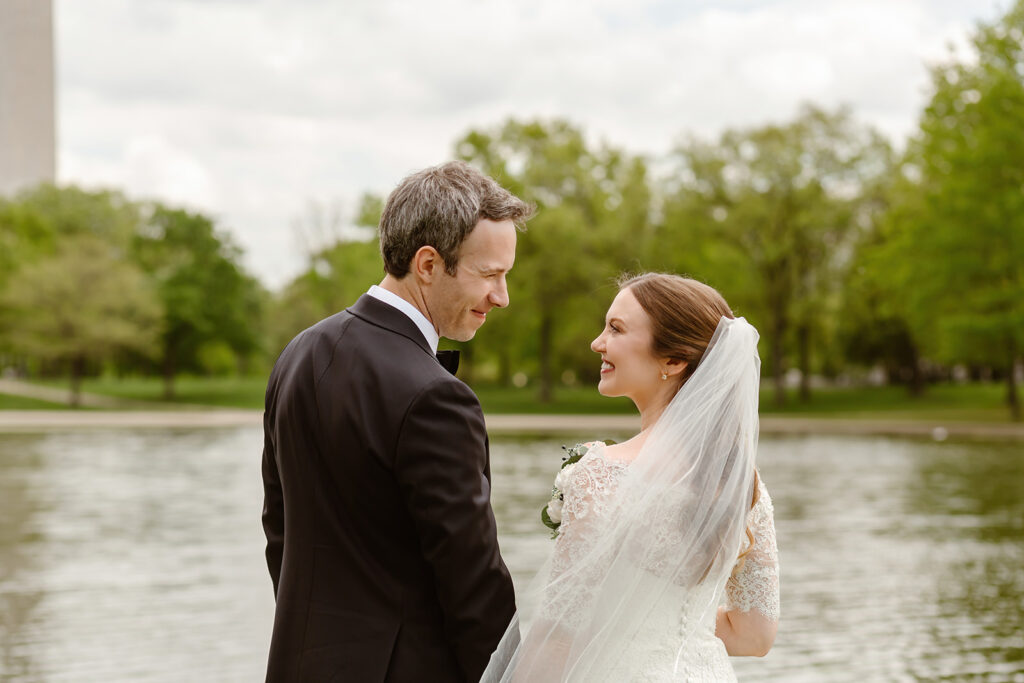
x: 562, y: 478
x: 555, y: 510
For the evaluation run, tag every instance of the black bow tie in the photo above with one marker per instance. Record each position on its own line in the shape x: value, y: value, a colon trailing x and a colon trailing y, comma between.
x: 449, y: 360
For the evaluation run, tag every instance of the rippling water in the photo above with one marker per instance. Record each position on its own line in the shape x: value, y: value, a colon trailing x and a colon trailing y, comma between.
x: 137, y: 556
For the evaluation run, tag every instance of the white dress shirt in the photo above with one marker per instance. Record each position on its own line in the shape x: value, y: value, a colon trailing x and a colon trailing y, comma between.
x: 413, y: 313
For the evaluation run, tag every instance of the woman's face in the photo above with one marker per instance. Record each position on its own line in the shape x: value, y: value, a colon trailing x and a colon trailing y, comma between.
x: 628, y: 368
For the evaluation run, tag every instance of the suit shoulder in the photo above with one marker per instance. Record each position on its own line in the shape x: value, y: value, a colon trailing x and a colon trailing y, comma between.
x: 382, y: 357
x: 330, y: 327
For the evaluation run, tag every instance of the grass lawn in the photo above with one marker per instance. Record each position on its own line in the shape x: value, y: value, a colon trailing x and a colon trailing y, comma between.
x: 496, y: 399
x: 229, y: 392
x: 967, y: 403
x: 962, y: 403
x: 952, y: 402
x: 21, y: 403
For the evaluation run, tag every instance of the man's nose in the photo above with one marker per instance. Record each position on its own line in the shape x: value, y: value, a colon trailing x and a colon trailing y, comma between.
x: 499, y: 295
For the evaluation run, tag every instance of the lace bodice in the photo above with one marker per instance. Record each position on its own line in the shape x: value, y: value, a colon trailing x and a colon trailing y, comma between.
x: 589, y: 499
x: 589, y: 487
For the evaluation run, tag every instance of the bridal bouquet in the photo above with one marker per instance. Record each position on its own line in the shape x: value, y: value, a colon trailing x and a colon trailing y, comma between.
x: 551, y: 513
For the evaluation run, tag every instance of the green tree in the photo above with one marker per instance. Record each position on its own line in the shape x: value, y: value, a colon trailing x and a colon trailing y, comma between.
x: 875, y: 327
x: 207, y: 297
x: 69, y: 210
x: 82, y: 304
x: 35, y: 221
x: 769, y: 214
x: 960, y: 242
x: 25, y: 235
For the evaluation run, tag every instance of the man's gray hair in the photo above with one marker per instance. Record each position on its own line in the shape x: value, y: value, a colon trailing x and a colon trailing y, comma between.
x: 439, y: 207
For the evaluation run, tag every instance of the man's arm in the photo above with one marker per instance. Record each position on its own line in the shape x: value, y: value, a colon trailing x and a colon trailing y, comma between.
x: 442, y: 454
x: 273, y: 505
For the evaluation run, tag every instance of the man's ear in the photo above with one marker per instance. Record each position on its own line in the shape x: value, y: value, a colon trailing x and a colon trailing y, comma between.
x: 426, y: 264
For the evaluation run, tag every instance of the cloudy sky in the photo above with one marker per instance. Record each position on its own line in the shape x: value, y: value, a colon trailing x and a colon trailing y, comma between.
x: 250, y: 110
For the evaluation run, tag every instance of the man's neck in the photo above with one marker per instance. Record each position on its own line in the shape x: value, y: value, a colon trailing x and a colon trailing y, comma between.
x: 411, y: 294
x: 401, y: 300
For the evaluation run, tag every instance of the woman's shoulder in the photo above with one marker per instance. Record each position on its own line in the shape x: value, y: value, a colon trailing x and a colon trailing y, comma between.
x: 607, y: 452
x: 619, y: 453
x: 588, y: 462
x: 583, y: 449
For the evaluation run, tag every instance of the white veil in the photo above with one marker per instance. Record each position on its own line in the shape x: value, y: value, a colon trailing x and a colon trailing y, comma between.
x: 668, y: 540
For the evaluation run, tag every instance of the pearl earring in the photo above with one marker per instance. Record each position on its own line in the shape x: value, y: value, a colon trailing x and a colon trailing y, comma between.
x: 664, y: 376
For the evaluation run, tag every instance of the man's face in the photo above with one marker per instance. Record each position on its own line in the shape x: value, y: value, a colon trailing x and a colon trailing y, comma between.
x: 459, y: 303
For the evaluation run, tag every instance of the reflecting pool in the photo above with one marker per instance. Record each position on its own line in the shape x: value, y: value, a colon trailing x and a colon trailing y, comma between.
x: 138, y: 555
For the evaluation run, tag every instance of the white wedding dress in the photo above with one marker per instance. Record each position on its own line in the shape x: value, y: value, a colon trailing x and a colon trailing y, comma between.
x: 647, y: 551
x: 660, y: 653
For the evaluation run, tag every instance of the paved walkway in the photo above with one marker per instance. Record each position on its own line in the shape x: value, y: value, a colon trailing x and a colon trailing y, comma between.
x: 46, y: 420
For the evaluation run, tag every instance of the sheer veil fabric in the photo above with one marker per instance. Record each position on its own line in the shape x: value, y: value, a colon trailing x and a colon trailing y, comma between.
x: 667, y: 539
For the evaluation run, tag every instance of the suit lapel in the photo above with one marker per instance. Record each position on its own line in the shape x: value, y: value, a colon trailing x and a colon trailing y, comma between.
x: 376, y: 312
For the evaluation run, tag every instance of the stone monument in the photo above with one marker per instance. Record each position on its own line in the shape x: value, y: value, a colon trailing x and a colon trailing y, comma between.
x: 27, y: 112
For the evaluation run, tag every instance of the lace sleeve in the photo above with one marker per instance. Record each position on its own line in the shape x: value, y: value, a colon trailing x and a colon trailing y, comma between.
x: 756, y: 584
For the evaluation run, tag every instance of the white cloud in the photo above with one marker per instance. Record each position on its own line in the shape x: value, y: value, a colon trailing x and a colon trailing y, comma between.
x: 248, y: 110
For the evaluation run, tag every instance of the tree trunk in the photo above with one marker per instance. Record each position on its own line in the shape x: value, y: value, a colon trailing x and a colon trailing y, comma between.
x: 544, y: 356
x: 504, y: 367
x: 169, y: 370
x: 77, y: 370
x: 916, y: 385
x: 1012, y: 398
x: 242, y: 363
x: 804, y: 349
x: 778, y: 371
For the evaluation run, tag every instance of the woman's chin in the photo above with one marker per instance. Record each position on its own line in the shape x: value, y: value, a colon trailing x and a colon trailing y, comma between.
x: 605, y: 389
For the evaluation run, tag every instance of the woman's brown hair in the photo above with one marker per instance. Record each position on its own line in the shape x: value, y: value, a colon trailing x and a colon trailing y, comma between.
x: 684, y: 315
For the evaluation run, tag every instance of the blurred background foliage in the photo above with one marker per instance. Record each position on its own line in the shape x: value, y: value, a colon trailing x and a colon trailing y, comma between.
x: 853, y: 259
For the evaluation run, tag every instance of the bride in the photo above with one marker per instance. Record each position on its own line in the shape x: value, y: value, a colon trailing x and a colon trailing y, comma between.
x: 665, y: 559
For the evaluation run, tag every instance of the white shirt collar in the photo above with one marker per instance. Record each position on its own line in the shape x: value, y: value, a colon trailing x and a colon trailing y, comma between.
x: 413, y: 313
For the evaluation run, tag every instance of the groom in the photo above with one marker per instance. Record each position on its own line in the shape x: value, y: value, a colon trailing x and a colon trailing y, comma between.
x: 381, y: 540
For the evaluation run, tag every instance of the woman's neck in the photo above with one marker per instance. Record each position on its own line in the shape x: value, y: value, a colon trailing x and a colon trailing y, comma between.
x: 652, y: 408
x: 649, y: 417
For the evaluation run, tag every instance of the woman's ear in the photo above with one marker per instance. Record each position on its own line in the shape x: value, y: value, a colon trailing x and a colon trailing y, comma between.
x: 673, y: 367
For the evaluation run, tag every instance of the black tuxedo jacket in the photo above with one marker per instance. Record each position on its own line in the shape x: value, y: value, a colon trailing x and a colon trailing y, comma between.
x: 381, y: 540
